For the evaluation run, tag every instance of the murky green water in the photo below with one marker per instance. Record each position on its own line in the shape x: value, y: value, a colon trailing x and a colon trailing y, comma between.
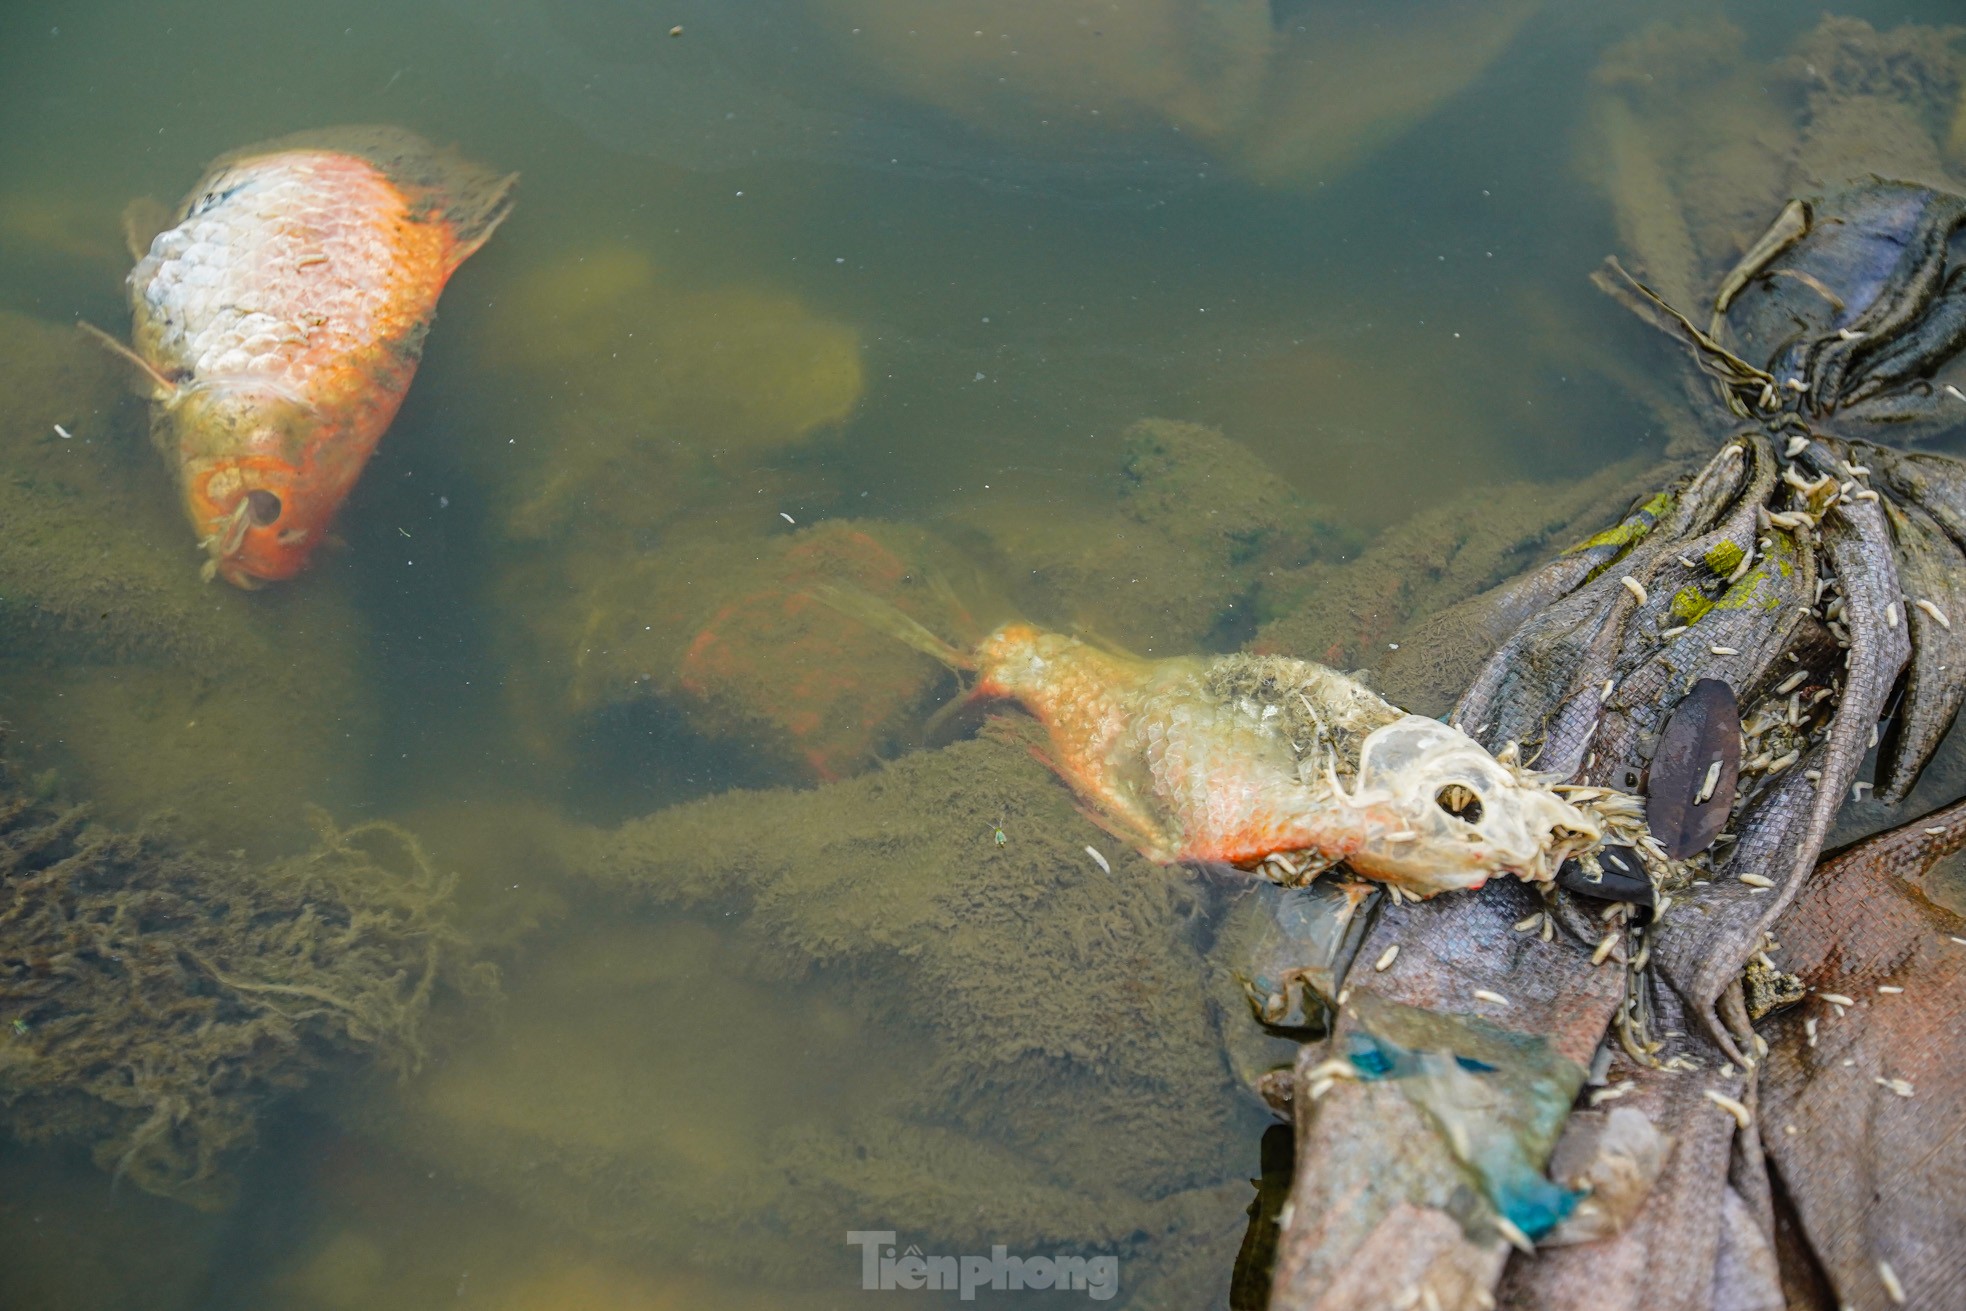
x: 815, y: 287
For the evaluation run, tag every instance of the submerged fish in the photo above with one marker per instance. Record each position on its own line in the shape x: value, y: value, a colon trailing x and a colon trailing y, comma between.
x: 1237, y: 760
x: 280, y: 315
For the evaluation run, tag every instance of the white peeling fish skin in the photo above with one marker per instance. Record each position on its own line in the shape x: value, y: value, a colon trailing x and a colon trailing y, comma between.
x: 262, y: 272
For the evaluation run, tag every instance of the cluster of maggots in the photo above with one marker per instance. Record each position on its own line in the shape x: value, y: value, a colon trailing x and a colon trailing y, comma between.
x: 1778, y: 732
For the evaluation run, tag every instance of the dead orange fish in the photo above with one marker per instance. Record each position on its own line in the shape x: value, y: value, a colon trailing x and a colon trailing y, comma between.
x: 279, y: 317
x: 1237, y: 760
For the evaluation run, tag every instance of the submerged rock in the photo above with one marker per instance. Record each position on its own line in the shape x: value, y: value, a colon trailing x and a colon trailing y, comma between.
x: 1083, y: 98
x: 1287, y: 93
x: 1186, y: 558
x: 1017, y: 1040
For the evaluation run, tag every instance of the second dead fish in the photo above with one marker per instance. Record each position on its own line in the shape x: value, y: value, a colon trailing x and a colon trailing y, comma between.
x: 1236, y: 760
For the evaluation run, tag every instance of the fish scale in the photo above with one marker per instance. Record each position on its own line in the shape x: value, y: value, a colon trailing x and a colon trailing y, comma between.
x: 228, y: 291
x: 1195, y: 779
x: 1234, y: 786
x: 281, y: 318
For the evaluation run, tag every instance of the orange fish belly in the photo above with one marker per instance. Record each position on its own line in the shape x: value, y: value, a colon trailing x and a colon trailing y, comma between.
x: 283, y: 313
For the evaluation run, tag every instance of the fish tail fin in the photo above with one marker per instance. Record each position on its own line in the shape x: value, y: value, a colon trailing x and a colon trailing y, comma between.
x: 889, y: 619
x: 476, y: 214
x: 158, y: 388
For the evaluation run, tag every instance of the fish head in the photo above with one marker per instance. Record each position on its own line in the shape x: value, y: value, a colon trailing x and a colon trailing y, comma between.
x: 249, y: 483
x: 1449, y: 815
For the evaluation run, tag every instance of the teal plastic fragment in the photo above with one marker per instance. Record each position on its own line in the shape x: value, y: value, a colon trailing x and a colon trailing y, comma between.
x: 1498, y: 1112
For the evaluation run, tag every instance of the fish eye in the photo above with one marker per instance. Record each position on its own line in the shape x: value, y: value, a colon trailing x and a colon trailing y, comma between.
x: 1459, y: 801
x: 263, y: 505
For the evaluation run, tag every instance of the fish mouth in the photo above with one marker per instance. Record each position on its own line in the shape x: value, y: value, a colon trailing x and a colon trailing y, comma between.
x: 247, y: 518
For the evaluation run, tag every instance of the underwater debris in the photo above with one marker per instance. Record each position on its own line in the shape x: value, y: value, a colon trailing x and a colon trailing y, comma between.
x: 160, y: 997
x: 1430, y: 1156
x: 1546, y: 686
x: 1697, y: 761
x: 1863, y: 1168
x: 1840, y: 322
x: 1611, y: 1160
x: 1697, y: 143
x: 1290, y: 947
x: 1781, y: 577
x: 1775, y: 577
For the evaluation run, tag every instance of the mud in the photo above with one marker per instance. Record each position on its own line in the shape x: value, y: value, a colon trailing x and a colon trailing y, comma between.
x: 159, y: 999
x: 392, y: 1238
x: 144, y: 688
x: 1048, y: 1069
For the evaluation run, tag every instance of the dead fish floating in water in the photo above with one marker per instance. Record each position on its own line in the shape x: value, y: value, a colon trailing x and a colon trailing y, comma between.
x: 1237, y: 760
x: 279, y: 317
